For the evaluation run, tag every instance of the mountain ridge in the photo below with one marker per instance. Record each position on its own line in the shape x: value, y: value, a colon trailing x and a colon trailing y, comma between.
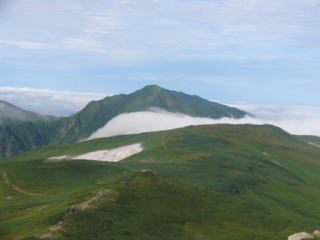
x: 97, y: 113
x: 22, y: 130
x: 10, y: 112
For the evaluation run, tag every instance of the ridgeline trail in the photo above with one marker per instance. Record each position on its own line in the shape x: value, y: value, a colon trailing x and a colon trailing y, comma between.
x: 16, y: 188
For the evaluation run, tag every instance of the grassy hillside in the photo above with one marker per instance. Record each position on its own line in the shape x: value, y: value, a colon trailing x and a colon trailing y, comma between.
x: 97, y: 113
x: 309, y: 139
x: 206, y: 182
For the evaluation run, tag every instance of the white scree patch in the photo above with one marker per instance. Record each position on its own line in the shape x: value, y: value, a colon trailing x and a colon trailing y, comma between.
x: 108, y: 155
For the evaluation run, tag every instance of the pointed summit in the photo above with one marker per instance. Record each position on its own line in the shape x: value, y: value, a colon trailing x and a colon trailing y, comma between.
x: 150, y: 89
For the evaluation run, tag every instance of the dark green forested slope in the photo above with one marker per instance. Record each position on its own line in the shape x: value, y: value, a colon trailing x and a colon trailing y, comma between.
x: 22, y: 130
x: 221, y: 182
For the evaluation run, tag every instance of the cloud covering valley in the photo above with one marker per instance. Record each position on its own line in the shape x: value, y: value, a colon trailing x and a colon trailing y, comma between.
x: 301, y: 120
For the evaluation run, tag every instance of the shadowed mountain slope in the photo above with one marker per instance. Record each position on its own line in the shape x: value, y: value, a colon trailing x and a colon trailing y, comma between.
x: 22, y: 130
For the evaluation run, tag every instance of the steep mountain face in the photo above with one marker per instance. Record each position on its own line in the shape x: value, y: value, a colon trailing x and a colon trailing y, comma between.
x: 22, y: 130
x: 220, y: 182
x: 97, y: 113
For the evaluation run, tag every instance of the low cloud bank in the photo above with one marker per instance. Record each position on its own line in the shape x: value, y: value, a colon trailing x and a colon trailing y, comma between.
x: 47, y: 101
x: 302, y: 120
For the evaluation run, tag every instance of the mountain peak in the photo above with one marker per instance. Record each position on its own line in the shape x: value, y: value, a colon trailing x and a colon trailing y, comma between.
x: 97, y: 114
x: 152, y: 88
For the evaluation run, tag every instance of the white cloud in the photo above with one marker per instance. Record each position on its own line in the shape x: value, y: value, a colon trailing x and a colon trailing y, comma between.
x: 301, y: 120
x: 202, y: 29
x: 47, y: 101
x: 28, y: 45
x: 84, y: 45
x: 275, y: 112
x: 104, y: 22
x: 138, y: 122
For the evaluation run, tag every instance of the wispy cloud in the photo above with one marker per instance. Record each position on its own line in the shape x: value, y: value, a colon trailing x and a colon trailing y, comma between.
x: 104, y: 22
x: 188, y: 28
x: 47, y: 101
x: 84, y: 45
x: 28, y: 45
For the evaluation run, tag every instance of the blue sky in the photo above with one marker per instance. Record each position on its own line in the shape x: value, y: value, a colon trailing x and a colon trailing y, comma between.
x: 254, y: 51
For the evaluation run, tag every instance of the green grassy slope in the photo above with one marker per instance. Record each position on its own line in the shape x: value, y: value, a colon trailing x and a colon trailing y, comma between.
x: 97, y: 113
x: 205, y: 182
x: 148, y: 206
x: 309, y: 139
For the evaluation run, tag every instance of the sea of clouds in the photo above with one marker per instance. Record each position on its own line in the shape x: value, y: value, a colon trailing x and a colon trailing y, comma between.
x: 48, y: 101
x: 301, y: 120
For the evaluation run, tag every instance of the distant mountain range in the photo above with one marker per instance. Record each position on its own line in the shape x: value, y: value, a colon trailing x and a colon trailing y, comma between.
x: 10, y: 113
x: 22, y: 130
